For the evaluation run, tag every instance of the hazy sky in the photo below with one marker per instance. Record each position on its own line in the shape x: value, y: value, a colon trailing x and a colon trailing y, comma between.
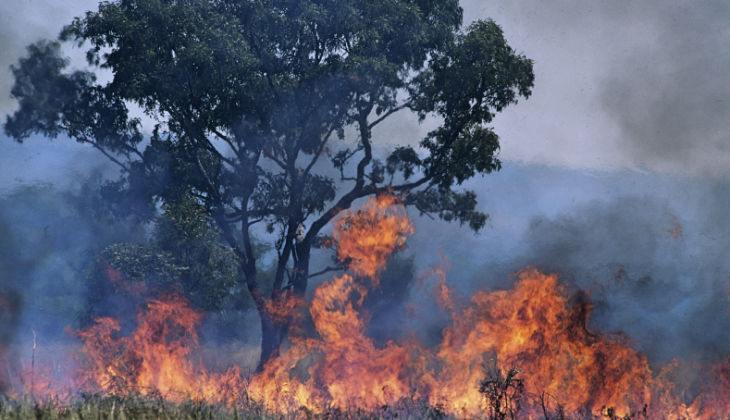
x: 619, y: 84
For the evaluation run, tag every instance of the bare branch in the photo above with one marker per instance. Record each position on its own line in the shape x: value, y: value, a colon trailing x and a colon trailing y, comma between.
x: 269, y: 155
x: 234, y: 217
x: 327, y: 270
x: 288, y: 238
x: 134, y: 151
x: 357, y: 190
x: 388, y: 114
x: 108, y: 155
x: 315, y: 158
x: 209, y: 146
x: 219, y: 134
x: 226, y: 139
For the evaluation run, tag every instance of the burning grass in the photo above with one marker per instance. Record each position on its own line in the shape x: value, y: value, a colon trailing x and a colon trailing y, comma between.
x: 520, y: 353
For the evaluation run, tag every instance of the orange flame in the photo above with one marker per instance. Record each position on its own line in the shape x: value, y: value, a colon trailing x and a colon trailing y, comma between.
x: 284, y: 308
x: 155, y: 358
x: 676, y: 230
x: 343, y: 367
x: 534, y: 328
x: 367, y: 237
x: 536, y: 332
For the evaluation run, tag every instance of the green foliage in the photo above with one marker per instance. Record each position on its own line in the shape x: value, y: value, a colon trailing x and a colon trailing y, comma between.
x: 274, y: 80
x: 143, y: 264
x: 449, y: 205
x: 52, y: 103
x: 185, y: 256
x: 123, y: 408
x: 187, y: 233
x: 477, y: 76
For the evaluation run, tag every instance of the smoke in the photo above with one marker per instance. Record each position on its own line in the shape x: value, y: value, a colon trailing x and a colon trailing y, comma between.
x: 48, y: 240
x: 62, y: 162
x: 670, y: 96
x: 649, y: 274
x: 620, y: 84
x: 10, y: 307
x: 25, y: 22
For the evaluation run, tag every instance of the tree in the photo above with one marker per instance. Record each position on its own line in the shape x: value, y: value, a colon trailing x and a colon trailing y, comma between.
x: 183, y: 255
x: 256, y: 102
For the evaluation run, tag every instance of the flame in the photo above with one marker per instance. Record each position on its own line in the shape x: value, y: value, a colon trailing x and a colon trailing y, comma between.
x: 713, y: 402
x: 134, y: 288
x: 535, y: 328
x: 154, y: 358
x: 367, y: 237
x: 343, y: 367
x: 526, y: 351
x: 284, y: 308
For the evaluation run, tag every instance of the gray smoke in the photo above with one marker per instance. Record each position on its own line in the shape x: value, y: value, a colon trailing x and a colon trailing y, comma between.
x: 620, y: 83
x: 24, y: 22
x: 49, y: 239
x: 671, y: 96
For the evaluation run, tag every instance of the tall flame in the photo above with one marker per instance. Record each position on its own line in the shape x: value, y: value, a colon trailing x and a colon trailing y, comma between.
x: 534, y: 328
x: 345, y: 369
x: 528, y: 349
x: 367, y: 237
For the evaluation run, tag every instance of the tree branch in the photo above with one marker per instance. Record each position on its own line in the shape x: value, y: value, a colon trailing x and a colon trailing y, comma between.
x: 269, y: 155
x: 315, y: 158
x: 388, y: 114
x: 219, y: 215
x: 327, y: 270
x: 357, y: 190
x: 225, y: 139
x: 107, y: 154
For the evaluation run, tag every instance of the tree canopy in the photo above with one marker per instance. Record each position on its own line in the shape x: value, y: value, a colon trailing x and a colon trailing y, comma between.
x: 264, y: 112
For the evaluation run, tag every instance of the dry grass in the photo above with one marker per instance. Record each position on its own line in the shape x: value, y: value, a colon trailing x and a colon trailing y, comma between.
x: 128, y: 408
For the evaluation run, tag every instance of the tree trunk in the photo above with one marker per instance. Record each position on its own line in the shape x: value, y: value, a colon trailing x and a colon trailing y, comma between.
x: 273, y: 332
x: 301, y: 270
